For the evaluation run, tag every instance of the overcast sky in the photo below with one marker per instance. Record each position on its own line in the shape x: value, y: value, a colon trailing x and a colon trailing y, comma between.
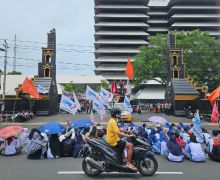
x: 30, y: 20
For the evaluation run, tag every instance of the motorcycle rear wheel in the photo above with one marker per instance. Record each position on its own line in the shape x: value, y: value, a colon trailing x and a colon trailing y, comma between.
x: 148, y: 166
x: 89, y: 171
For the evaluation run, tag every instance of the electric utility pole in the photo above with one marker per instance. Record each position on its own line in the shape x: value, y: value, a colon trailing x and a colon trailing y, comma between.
x: 5, y: 49
x: 14, y: 58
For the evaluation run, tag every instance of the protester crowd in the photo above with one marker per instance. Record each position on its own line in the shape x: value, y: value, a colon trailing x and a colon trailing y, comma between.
x: 174, y: 142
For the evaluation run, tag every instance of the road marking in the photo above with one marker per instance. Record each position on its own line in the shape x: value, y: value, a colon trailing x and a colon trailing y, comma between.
x: 81, y: 172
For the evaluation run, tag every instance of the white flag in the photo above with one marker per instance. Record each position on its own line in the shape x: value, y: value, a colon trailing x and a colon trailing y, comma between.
x: 106, y: 95
x: 99, y: 108
x: 128, y: 92
x: 127, y: 105
x: 91, y: 94
x: 41, y: 89
x: 68, y: 105
x: 76, y: 101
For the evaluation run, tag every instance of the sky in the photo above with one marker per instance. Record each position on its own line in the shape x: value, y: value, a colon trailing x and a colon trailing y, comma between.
x: 31, y: 20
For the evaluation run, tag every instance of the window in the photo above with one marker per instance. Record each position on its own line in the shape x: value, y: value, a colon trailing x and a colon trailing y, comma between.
x: 47, y: 72
x: 176, y: 74
x: 48, y: 59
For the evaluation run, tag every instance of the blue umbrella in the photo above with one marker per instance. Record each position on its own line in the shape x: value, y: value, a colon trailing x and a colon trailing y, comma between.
x: 52, y: 128
x: 81, y: 123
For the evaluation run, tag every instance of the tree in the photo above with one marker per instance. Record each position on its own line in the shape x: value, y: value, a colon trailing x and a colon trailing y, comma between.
x: 72, y: 88
x: 14, y: 73
x: 105, y: 84
x: 68, y: 88
x: 200, y: 53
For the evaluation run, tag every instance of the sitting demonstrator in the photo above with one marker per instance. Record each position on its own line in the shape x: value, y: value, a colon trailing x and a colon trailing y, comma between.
x: 174, y: 150
x: 193, y: 151
x: 214, y: 154
x: 35, y: 145
x: 11, y: 146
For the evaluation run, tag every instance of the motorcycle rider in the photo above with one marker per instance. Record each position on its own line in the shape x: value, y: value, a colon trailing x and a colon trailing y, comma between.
x: 113, y: 137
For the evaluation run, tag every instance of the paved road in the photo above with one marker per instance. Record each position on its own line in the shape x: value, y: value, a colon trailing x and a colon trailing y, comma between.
x: 63, y: 118
x: 20, y: 168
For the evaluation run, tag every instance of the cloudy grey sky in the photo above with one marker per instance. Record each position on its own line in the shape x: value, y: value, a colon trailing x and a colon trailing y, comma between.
x: 30, y: 20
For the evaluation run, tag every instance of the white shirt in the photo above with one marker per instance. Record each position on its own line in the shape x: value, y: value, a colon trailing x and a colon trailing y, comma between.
x: 196, y: 151
x: 171, y: 157
x: 11, y: 149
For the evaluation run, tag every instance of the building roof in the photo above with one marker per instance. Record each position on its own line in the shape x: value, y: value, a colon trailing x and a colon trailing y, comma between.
x: 182, y: 87
x: 151, y: 93
x: 12, y: 82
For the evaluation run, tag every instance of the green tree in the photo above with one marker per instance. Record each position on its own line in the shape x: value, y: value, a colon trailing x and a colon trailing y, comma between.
x: 68, y: 88
x: 200, y: 54
x: 105, y: 84
x: 73, y: 88
x: 14, y: 73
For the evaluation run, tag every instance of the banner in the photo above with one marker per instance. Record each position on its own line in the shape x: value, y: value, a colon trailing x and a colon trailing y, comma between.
x: 197, y: 130
x: 98, y: 107
x: 114, y: 87
x: 76, y: 101
x: 128, y: 92
x: 91, y: 94
x: 106, y: 95
x: 41, y: 89
x: 214, y: 95
x: 68, y: 105
x: 127, y: 105
x: 214, y: 117
x: 29, y: 88
x: 129, y: 69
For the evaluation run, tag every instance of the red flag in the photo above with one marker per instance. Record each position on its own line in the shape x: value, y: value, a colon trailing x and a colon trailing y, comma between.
x: 214, y: 118
x: 114, y: 87
x: 214, y: 95
x: 29, y: 88
x: 129, y: 69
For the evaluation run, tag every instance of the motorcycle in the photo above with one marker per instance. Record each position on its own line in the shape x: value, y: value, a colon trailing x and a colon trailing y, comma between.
x: 104, y: 158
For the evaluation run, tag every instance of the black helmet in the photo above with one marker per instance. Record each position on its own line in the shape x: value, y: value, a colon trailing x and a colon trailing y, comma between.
x: 115, y: 112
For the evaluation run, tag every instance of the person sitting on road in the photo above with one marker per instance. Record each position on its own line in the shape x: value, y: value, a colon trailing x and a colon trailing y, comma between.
x: 54, y: 150
x: 113, y: 137
x: 11, y: 146
x: 155, y: 141
x: 35, y: 145
x: 174, y: 150
x: 214, y: 154
x: 164, y: 139
x: 179, y: 140
x: 193, y: 150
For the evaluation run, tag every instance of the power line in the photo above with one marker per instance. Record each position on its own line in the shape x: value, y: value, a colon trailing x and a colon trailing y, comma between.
x: 59, y: 44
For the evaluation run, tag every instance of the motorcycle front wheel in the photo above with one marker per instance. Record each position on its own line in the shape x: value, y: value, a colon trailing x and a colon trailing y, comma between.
x: 148, y: 166
x: 89, y: 171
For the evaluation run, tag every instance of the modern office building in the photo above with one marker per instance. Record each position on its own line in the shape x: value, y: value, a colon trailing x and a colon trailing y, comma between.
x: 122, y: 26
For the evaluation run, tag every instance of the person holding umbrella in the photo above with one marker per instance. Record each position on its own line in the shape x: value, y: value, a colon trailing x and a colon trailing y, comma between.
x: 11, y: 144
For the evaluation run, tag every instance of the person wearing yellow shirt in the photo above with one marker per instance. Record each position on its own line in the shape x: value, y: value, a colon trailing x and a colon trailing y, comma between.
x: 113, y: 137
